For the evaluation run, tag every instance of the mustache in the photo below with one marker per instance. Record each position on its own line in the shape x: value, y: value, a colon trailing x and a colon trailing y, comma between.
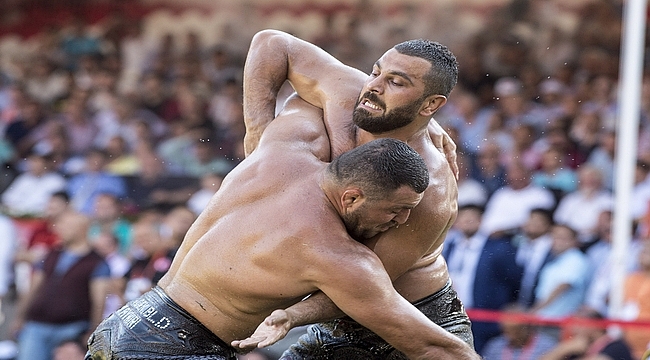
x: 371, y: 96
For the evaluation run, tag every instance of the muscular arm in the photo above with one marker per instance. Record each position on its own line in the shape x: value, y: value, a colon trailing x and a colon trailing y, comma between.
x: 357, y: 284
x: 318, y: 77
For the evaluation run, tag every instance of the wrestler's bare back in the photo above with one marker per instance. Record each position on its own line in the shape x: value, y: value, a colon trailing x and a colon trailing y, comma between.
x: 251, y: 253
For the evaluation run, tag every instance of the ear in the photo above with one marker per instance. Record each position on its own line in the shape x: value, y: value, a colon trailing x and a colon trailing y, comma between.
x: 351, y: 199
x: 431, y: 104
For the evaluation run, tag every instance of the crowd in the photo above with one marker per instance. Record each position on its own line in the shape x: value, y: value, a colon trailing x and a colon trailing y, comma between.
x: 124, y: 142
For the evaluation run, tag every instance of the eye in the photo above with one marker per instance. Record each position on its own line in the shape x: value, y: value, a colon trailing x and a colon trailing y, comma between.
x: 394, y: 82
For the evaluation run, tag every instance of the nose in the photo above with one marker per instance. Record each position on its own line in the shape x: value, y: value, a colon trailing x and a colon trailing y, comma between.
x: 402, y: 216
x: 375, y: 85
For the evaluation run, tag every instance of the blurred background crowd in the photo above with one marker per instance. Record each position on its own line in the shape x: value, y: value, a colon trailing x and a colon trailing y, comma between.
x: 119, y: 120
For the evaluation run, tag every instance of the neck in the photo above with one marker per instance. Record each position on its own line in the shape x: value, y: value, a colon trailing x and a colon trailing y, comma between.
x: 331, y: 192
x: 79, y: 247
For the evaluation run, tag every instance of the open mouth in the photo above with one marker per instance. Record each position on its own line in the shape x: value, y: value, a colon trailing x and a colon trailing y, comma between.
x: 369, y: 105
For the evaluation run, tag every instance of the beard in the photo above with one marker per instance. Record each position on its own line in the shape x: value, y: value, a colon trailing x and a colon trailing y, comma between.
x: 394, y: 119
x: 355, y: 227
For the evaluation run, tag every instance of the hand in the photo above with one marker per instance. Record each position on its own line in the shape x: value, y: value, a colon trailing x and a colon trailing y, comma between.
x: 443, y: 142
x: 274, y: 328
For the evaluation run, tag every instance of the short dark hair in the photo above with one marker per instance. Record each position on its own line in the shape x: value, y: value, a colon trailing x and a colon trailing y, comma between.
x: 572, y: 231
x: 443, y: 75
x: 62, y: 194
x: 480, y: 209
x: 381, y: 166
x: 547, y: 214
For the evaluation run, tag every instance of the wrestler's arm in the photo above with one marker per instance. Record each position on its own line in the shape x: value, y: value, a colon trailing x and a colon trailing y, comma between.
x: 318, y: 77
x: 355, y: 280
x: 319, y: 307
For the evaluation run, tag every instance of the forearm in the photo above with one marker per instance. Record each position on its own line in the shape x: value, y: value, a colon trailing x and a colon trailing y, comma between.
x: 265, y: 71
x: 317, y: 308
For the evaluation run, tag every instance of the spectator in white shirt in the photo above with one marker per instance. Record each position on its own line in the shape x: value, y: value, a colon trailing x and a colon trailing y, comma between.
x: 510, y: 206
x: 30, y: 191
x: 580, y: 209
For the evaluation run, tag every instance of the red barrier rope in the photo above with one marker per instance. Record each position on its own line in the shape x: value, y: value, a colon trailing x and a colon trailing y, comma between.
x: 497, y: 316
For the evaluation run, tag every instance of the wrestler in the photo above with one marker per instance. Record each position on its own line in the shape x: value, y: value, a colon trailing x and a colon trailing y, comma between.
x: 276, y: 231
x: 408, y: 84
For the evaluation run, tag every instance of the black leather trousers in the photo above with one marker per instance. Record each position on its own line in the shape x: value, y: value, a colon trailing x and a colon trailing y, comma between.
x: 153, y: 326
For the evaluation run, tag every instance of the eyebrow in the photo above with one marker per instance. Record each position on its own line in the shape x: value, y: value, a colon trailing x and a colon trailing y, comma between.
x: 398, y: 73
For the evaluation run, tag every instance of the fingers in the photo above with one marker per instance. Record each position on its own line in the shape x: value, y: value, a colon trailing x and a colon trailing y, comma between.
x: 248, y: 343
x: 449, y: 149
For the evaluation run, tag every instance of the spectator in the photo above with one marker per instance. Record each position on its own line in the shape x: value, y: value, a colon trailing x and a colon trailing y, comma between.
x: 601, y: 260
x: 42, y: 240
x: 27, y: 128
x: 92, y: 181
x: 79, y: 127
x: 513, y: 105
x: 585, y: 130
x: 67, y: 296
x: 30, y: 191
x: 46, y: 84
x: 106, y: 245
x: 519, y: 340
x: 533, y: 252
x: 563, y: 280
x: 641, y: 191
x: 122, y: 118
x: 586, y: 341
x: 8, y: 246
x: 470, y: 191
x: 488, y: 169
x: 580, y: 209
x: 602, y: 157
x: 483, y: 270
x: 471, y: 121
x: 210, y: 183
x: 154, y: 187
x: 174, y: 225
x: 523, y: 149
x: 107, y: 218
x: 510, y: 206
x: 152, y: 257
x: 219, y: 68
x: 637, y: 304
x: 192, y: 153
x: 78, y: 42
x: 554, y: 175
x: 122, y: 161
x: 154, y: 96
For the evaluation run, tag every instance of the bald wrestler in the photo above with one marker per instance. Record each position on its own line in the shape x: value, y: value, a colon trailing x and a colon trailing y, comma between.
x: 408, y: 84
x: 276, y: 231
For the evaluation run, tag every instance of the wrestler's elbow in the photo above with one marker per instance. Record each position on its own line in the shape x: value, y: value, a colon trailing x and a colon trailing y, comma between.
x: 275, y: 40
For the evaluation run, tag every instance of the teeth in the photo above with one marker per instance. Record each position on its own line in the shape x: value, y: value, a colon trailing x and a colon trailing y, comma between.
x: 371, y: 105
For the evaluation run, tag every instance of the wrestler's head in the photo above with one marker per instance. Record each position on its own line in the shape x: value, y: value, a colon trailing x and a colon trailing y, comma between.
x: 379, y: 182
x: 411, y: 80
x: 376, y: 215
